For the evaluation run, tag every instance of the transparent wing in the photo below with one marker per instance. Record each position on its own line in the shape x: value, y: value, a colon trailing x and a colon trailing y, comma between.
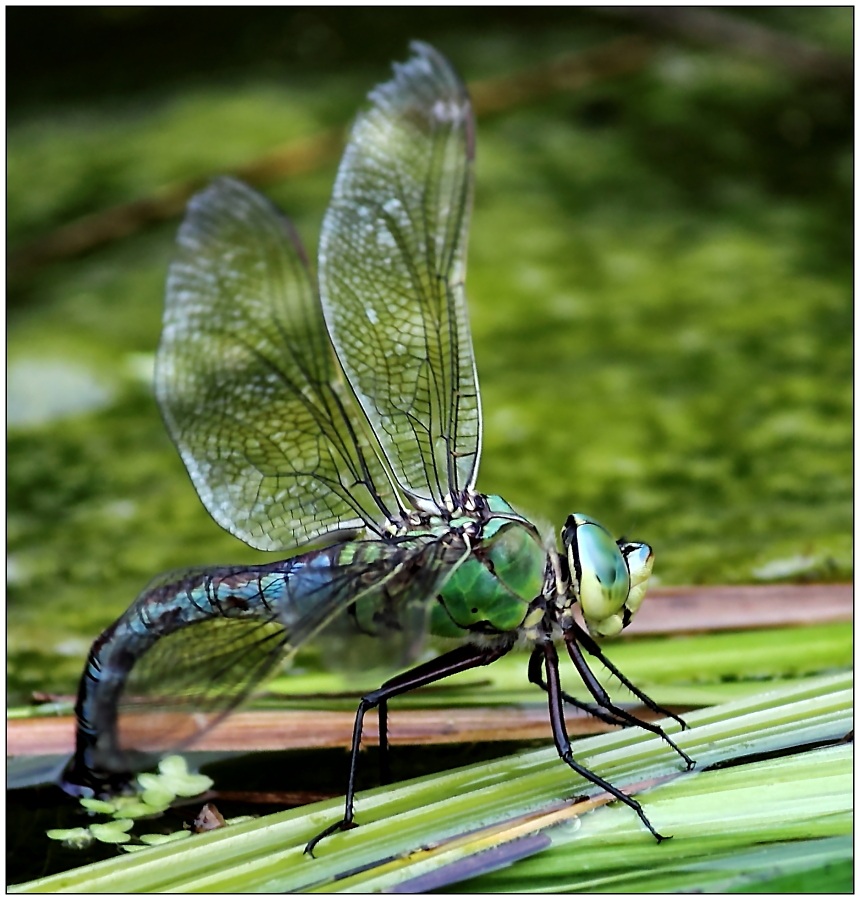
x: 188, y: 681
x: 246, y: 380
x: 151, y: 695
x: 391, y: 264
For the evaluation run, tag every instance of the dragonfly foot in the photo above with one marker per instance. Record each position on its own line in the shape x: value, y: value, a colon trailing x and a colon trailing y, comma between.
x: 688, y: 760
x: 342, y: 825
x: 658, y: 837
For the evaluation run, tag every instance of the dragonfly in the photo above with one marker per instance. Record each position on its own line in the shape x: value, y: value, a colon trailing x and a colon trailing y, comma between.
x: 342, y: 414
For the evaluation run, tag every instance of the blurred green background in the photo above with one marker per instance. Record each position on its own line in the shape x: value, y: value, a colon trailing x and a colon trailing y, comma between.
x: 660, y: 282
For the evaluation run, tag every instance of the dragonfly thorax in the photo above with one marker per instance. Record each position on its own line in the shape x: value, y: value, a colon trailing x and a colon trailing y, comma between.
x: 415, y: 523
x: 493, y: 590
x: 468, y: 516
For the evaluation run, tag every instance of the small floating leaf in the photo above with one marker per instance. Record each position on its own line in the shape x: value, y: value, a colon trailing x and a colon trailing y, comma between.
x: 151, y: 782
x: 173, y: 765
x: 138, y: 810
x: 74, y: 838
x: 99, y: 806
x: 158, y: 797
x: 176, y: 777
x: 164, y: 838
x: 192, y: 785
x: 112, y: 832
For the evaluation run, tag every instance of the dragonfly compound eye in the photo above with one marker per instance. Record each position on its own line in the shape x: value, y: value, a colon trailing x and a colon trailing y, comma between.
x: 640, y: 561
x: 602, y: 574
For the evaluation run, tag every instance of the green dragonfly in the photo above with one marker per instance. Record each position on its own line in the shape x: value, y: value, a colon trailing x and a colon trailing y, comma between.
x: 349, y: 416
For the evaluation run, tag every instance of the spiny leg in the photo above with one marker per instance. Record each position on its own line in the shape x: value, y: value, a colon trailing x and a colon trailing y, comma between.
x: 458, y: 660
x: 562, y: 741
x: 536, y: 677
x: 596, y: 689
x: 384, y: 767
x: 593, y: 648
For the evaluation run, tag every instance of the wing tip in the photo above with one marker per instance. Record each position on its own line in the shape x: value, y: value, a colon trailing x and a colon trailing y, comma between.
x: 429, y: 82
x: 227, y: 198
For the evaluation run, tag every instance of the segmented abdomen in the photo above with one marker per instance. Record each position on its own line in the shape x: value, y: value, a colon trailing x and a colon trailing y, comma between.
x: 195, y: 641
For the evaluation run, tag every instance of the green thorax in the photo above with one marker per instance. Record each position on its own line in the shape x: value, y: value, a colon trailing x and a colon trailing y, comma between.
x: 491, y: 591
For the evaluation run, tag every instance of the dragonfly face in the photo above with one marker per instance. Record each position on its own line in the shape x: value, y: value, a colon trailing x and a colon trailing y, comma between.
x: 609, y: 577
x: 345, y: 411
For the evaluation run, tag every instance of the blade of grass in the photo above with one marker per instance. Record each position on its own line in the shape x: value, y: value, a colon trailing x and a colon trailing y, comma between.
x: 732, y: 867
x: 693, y: 659
x: 809, y: 870
x: 267, y: 854
x: 720, y: 810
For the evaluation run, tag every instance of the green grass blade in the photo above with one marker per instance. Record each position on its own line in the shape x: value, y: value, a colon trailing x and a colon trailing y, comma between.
x: 716, y: 818
x: 683, y: 669
x: 399, y: 823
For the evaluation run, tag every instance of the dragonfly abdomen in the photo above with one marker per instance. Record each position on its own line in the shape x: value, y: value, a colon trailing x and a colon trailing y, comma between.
x: 188, y: 629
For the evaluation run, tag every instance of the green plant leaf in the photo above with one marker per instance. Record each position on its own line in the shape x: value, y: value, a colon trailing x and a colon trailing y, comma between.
x: 416, y: 828
x: 155, y: 839
x: 73, y: 838
x: 112, y: 832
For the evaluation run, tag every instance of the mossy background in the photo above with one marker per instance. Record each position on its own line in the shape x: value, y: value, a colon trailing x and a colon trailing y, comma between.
x: 660, y: 287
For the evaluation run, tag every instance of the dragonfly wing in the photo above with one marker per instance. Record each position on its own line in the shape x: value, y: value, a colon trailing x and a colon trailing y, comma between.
x: 186, y: 683
x: 197, y: 642
x: 391, y: 264
x: 246, y: 380
x: 388, y: 627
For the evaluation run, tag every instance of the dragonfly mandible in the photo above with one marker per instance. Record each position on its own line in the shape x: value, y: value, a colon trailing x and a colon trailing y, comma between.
x: 346, y: 414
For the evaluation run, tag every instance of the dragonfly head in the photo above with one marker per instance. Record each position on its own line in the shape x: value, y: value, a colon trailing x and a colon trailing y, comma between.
x: 609, y: 576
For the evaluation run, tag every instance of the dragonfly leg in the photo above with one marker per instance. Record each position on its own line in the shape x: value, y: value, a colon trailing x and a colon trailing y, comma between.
x: 591, y: 647
x: 384, y: 767
x: 536, y: 677
x: 562, y: 741
x: 596, y: 689
x: 462, y: 658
